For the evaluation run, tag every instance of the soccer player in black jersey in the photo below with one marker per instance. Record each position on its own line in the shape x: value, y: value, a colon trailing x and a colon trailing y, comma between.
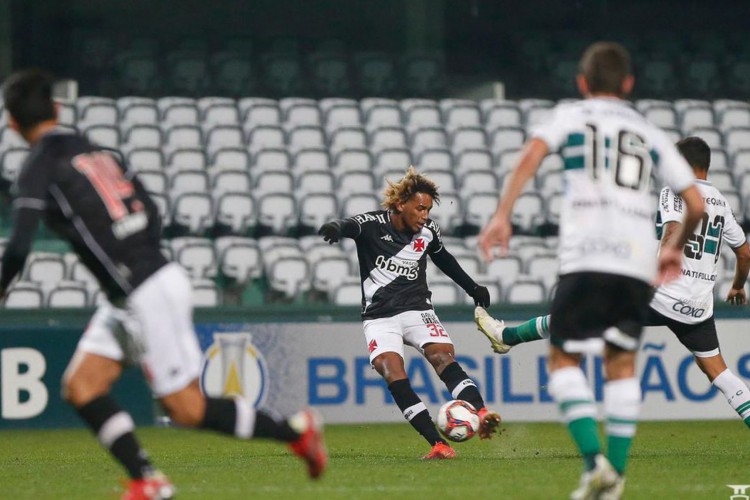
x: 93, y: 201
x: 392, y: 247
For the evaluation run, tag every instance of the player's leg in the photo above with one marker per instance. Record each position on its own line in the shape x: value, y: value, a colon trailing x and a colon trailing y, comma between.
x: 162, y: 319
x: 95, y: 366
x: 442, y: 358
x: 424, y: 331
x: 188, y: 407
x: 702, y: 340
x: 503, y: 337
x: 584, y: 306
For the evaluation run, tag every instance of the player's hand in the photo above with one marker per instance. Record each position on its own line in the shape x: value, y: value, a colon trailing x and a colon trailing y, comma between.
x: 481, y: 296
x: 496, y: 233
x: 670, y: 263
x: 736, y: 296
x: 330, y: 232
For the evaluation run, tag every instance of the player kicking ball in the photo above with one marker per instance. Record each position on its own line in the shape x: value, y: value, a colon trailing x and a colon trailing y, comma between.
x: 685, y: 306
x: 392, y: 247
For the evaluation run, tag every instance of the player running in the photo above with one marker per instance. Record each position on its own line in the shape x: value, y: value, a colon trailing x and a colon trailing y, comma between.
x: 392, y: 247
x: 685, y: 305
x: 606, y: 260
x: 89, y: 198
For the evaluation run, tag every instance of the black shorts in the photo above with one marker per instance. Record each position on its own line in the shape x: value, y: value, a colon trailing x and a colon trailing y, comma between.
x: 700, y: 338
x: 591, y: 305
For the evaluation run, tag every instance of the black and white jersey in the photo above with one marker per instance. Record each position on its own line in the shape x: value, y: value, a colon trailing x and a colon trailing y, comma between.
x: 88, y: 198
x: 392, y: 265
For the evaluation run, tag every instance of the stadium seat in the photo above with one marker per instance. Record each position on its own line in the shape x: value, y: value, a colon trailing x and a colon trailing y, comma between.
x: 177, y: 111
x: 103, y: 135
x: 422, y: 74
x: 423, y: 138
x: 380, y: 112
x: 347, y: 138
x: 357, y: 204
x: 272, y: 181
x: 315, y: 209
x: 239, y: 259
x: 468, y: 138
x: 329, y: 272
x: 349, y: 292
x: 188, y: 181
x: 449, y: 213
x: 218, y: 111
x: 192, y: 213
x: 501, y: 114
x: 277, y: 213
x: 282, y: 74
x: 339, y: 112
x: 329, y: 74
x: 25, y: 295
x: 45, y: 268
x: 392, y: 159
x: 296, y: 111
x: 289, y: 276
x: 421, y: 113
x: 206, y: 294
x: 141, y: 135
x: 442, y: 176
x: 219, y: 137
x: 11, y: 161
x: 457, y: 113
x: 526, y: 292
x: 544, y: 267
x: 271, y: 159
x: 472, y: 159
x: 434, y: 159
x: 477, y: 181
x: 197, y: 256
x: 186, y: 159
x: 444, y: 293
x: 478, y: 209
x: 311, y: 159
x: 231, y: 159
x: 387, y: 138
x: 258, y: 111
x: 505, y: 269
x: 226, y: 180
x: 314, y: 181
x: 375, y: 73
x: 261, y: 137
x: 528, y: 212
x: 235, y: 213
x: 506, y: 139
x: 68, y: 294
x: 301, y: 137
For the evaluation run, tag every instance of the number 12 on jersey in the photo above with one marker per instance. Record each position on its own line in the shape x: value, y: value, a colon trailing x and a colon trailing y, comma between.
x: 628, y: 164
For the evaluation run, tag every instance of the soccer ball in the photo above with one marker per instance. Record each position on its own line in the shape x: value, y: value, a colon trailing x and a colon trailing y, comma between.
x: 457, y: 420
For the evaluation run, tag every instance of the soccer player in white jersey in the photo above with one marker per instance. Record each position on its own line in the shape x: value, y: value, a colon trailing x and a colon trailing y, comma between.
x: 685, y: 305
x: 607, y: 259
x: 392, y: 249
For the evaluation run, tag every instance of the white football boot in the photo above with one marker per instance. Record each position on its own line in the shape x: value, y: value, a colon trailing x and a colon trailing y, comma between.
x: 598, y: 481
x: 492, y: 329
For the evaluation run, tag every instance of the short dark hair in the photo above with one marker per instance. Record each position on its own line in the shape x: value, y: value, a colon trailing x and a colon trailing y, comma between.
x: 28, y: 97
x: 605, y: 65
x: 696, y: 152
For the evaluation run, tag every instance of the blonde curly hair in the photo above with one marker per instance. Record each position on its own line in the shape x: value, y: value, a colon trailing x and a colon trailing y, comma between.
x: 408, y: 186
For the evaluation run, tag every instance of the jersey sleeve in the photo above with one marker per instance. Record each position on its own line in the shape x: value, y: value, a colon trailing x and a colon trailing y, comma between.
x: 436, y: 244
x: 671, y: 207
x: 733, y: 233
x: 30, y: 190
x: 553, y: 131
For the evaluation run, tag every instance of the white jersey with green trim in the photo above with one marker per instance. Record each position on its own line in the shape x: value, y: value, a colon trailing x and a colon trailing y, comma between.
x: 690, y: 298
x: 610, y: 151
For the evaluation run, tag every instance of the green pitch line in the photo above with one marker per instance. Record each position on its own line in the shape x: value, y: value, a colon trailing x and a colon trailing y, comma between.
x: 683, y: 460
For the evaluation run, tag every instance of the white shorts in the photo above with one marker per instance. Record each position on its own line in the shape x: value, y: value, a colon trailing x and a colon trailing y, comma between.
x: 414, y: 328
x: 155, y: 330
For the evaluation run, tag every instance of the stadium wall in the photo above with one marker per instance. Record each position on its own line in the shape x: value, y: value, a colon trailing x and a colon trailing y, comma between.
x: 283, y: 358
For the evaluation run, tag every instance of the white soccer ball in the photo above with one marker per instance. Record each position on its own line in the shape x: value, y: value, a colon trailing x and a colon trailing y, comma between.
x: 457, y: 420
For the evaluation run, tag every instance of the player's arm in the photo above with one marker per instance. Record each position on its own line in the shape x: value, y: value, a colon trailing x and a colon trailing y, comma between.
x: 25, y: 223
x: 336, y: 229
x: 446, y: 262
x: 673, y: 241
x: 498, y: 230
x: 736, y: 294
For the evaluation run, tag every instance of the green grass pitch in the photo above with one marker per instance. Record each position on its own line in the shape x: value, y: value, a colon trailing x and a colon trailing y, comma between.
x: 669, y: 460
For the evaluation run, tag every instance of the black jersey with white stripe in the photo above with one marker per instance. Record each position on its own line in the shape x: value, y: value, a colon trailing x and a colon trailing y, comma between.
x: 90, y: 199
x: 392, y: 265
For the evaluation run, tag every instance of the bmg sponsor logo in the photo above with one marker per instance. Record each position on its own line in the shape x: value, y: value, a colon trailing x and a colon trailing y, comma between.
x: 406, y: 268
